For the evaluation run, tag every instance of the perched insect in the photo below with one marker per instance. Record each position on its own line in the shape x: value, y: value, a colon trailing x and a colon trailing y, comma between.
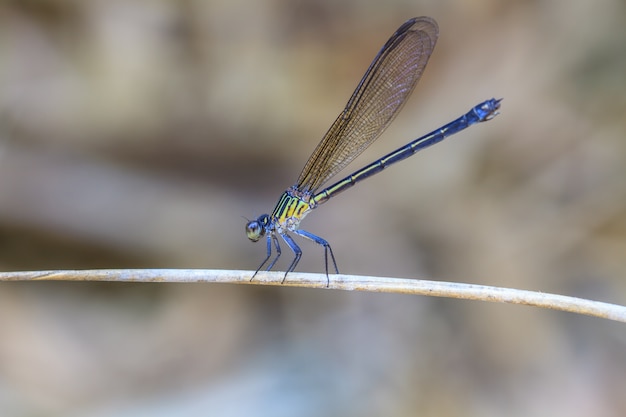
x: 378, y: 98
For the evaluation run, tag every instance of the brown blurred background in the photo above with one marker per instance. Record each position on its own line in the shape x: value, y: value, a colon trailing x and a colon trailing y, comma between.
x: 136, y: 134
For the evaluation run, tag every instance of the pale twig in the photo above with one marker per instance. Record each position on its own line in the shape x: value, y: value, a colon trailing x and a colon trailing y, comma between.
x: 339, y: 282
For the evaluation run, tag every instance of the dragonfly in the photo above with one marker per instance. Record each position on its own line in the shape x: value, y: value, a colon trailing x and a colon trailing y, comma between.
x: 379, y: 96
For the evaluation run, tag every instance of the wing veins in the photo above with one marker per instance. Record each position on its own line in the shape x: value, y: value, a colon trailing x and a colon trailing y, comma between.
x: 379, y: 96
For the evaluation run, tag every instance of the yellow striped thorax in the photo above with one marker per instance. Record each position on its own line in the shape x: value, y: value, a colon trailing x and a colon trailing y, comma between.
x: 291, y: 208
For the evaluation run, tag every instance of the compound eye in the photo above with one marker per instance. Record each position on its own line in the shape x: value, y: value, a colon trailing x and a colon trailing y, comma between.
x: 254, y: 230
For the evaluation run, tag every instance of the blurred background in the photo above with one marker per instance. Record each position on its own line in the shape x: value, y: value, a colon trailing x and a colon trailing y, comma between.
x: 138, y: 134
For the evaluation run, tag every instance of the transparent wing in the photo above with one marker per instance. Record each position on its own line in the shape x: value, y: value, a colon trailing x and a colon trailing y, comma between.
x: 386, y: 85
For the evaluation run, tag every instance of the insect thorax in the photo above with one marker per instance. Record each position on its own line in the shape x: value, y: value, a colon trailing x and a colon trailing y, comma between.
x: 290, y: 210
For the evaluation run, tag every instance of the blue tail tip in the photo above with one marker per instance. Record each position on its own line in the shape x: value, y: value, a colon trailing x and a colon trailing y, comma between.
x: 487, y: 110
